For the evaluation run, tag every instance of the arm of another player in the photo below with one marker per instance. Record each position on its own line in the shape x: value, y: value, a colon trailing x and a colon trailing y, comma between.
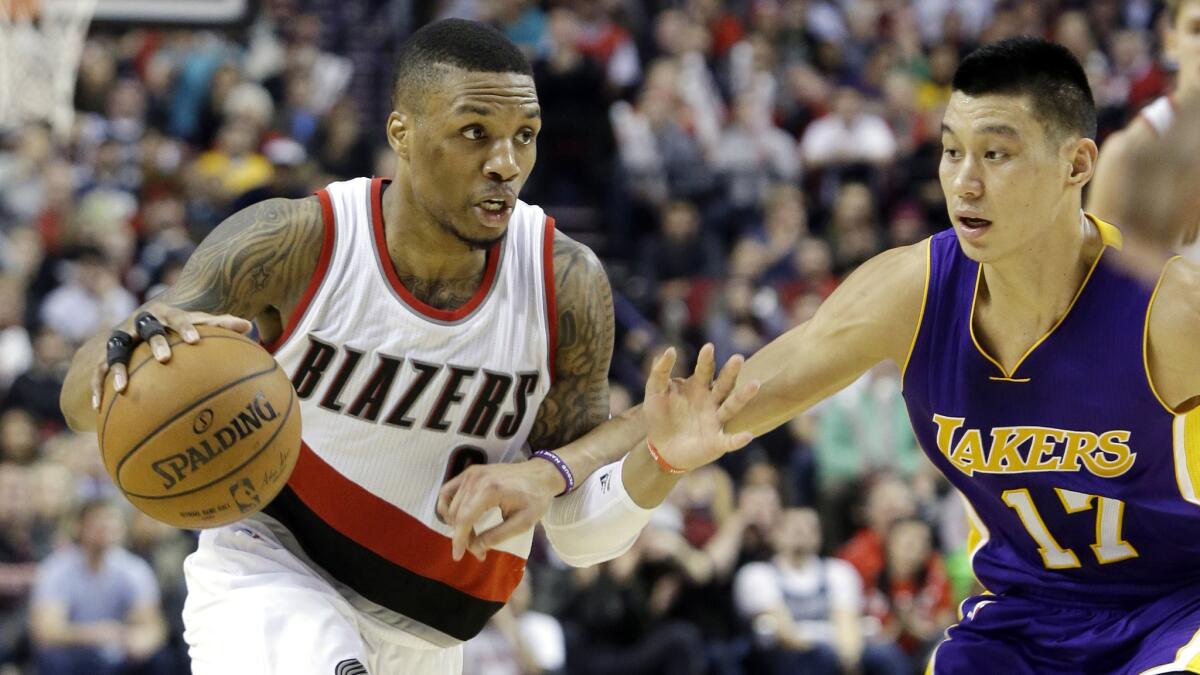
x: 255, y: 264
x: 1174, y: 358
x: 872, y: 316
x: 1143, y: 183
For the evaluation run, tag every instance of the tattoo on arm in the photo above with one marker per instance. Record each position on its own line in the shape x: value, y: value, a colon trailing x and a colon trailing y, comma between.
x: 260, y: 256
x: 579, y: 399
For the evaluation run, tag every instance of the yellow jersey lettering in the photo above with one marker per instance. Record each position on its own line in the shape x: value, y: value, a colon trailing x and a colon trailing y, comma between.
x: 1027, y: 449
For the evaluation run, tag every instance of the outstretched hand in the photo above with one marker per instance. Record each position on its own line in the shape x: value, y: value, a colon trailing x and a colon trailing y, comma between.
x: 685, y: 419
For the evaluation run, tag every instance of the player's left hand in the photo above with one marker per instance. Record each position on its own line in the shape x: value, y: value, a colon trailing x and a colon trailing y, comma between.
x: 522, y: 491
x: 685, y: 420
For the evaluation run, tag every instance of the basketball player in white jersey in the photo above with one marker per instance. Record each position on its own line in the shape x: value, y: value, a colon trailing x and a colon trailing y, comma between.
x: 1182, y: 44
x: 429, y: 323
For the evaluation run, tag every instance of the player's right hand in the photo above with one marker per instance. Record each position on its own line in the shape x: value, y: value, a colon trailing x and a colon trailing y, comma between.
x: 171, y: 319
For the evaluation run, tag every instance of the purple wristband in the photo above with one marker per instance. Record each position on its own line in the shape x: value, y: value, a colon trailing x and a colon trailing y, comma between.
x: 562, y: 467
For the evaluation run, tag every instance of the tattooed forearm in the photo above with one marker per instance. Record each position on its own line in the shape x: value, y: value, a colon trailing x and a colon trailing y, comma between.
x: 261, y: 256
x: 579, y: 399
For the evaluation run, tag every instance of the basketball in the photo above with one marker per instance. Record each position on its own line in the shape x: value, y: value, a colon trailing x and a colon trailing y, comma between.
x: 206, y: 438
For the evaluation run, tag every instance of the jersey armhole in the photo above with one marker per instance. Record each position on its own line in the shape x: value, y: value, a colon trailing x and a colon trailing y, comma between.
x: 1146, y: 336
x: 551, y: 305
x: 921, y: 313
x: 318, y: 274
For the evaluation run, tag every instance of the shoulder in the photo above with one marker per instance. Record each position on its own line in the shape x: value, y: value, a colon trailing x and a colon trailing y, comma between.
x: 885, y: 295
x: 1120, y: 143
x: 574, y: 263
x: 757, y: 574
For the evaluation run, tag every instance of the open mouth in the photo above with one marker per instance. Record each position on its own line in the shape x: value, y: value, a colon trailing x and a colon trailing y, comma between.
x: 493, y: 213
x: 973, y: 223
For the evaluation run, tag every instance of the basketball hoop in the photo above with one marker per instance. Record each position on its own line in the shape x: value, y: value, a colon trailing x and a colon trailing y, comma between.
x: 41, y: 42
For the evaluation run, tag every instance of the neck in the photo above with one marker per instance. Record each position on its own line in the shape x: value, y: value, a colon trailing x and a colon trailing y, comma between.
x: 419, y: 246
x: 796, y: 559
x: 1042, y: 286
x: 95, y: 558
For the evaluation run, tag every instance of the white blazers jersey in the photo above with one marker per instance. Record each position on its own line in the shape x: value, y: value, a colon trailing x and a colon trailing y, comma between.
x: 396, y: 397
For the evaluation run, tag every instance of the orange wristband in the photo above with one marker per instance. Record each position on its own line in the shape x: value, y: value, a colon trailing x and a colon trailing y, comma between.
x: 662, y: 463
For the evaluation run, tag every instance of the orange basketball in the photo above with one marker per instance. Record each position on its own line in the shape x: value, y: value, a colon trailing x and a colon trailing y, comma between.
x: 206, y: 438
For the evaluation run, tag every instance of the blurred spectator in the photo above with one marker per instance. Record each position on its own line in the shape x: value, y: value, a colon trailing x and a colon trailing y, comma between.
x: 91, y: 298
x: 233, y: 166
x: 806, y: 611
x: 753, y: 153
x: 888, y: 500
x: 864, y: 429
x: 37, y: 389
x: 18, y: 555
x: 16, y: 350
x: 22, y: 173
x: 614, y: 620
x: 339, y: 145
x: 19, y: 442
x: 679, y: 251
x: 912, y: 601
x: 95, y: 606
x: 517, y: 641
x: 854, y: 227
x: 847, y: 135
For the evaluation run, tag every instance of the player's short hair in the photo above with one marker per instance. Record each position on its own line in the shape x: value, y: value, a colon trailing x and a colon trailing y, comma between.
x: 459, y: 43
x: 1045, y: 72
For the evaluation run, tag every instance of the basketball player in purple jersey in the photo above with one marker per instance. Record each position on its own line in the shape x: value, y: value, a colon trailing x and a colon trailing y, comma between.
x: 1056, y: 391
x: 1181, y: 42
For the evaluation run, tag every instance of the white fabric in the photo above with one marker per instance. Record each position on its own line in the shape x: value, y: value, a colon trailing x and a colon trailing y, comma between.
x: 490, y: 653
x: 829, y: 139
x: 597, y: 522
x: 759, y: 587
x: 254, y: 609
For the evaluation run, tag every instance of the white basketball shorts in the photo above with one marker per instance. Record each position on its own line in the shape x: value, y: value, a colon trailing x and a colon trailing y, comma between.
x: 255, y: 609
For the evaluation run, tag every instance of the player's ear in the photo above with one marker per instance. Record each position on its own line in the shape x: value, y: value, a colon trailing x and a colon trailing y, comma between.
x: 1082, y: 158
x: 399, y: 128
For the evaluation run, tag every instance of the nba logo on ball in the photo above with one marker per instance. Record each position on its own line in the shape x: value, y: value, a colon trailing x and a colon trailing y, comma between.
x: 206, y: 438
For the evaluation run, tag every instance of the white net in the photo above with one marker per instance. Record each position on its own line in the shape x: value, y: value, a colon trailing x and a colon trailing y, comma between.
x: 40, y: 45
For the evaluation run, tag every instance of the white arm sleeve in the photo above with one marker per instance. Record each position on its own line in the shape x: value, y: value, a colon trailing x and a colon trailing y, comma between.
x: 597, y: 522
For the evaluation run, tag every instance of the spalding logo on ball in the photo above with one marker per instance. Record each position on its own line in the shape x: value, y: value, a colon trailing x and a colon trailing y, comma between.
x: 206, y: 438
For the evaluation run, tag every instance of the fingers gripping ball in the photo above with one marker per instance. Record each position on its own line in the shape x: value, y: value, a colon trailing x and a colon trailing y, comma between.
x: 205, y: 438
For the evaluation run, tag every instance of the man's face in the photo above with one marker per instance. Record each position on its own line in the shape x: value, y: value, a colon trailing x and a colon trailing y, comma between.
x: 1183, y: 45
x: 101, y: 529
x: 799, y: 533
x: 1002, y: 178
x: 471, y: 148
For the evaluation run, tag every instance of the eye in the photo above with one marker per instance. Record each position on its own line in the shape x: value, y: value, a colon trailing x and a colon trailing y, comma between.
x: 995, y: 155
x: 525, y: 136
x: 951, y: 153
x: 473, y: 132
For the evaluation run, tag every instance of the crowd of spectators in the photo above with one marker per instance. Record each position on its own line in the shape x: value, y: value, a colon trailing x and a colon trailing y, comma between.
x: 730, y: 162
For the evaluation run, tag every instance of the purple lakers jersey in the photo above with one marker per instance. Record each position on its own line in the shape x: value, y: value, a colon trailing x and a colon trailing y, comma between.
x: 1082, y: 485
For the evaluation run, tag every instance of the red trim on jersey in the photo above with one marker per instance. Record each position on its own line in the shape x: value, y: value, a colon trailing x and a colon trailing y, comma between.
x: 318, y: 274
x: 551, y: 305
x: 489, y: 275
x: 397, y: 536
